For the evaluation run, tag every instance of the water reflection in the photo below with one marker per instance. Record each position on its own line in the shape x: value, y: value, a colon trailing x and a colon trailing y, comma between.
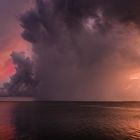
x: 7, y: 128
x: 71, y: 121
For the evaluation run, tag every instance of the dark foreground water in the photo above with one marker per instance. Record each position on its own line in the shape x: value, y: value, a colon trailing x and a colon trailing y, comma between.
x: 69, y: 120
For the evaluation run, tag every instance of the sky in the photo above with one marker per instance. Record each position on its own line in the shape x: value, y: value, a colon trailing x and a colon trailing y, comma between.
x: 10, y: 39
x: 70, y: 50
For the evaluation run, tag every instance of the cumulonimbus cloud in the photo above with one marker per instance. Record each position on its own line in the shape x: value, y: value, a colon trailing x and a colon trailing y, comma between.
x: 79, y: 46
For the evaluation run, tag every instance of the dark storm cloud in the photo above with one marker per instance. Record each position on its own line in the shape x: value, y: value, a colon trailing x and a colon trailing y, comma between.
x: 23, y: 79
x: 49, y: 14
x: 73, y: 41
x: 124, y: 11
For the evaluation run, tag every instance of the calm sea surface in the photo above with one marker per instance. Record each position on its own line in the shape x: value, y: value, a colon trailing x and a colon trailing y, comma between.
x: 69, y: 120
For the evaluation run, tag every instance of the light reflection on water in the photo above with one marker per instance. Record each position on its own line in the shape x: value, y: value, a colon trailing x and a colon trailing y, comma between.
x: 7, y: 128
x: 69, y: 121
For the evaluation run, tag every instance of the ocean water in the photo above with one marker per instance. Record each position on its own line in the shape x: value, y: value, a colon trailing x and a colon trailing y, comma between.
x: 69, y: 120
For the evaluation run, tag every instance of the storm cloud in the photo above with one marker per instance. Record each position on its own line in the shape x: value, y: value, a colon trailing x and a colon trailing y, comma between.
x: 83, y: 50
x: 23, y: 80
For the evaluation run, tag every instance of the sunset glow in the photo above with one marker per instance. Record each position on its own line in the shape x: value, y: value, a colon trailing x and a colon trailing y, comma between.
x: 6, y: 66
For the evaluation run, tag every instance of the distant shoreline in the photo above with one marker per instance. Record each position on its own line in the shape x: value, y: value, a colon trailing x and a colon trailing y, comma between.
x: 16, y: 99
x: 45, y: 100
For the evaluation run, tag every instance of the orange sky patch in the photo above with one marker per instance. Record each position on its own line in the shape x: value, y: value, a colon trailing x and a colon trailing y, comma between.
x: 6, y: 66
